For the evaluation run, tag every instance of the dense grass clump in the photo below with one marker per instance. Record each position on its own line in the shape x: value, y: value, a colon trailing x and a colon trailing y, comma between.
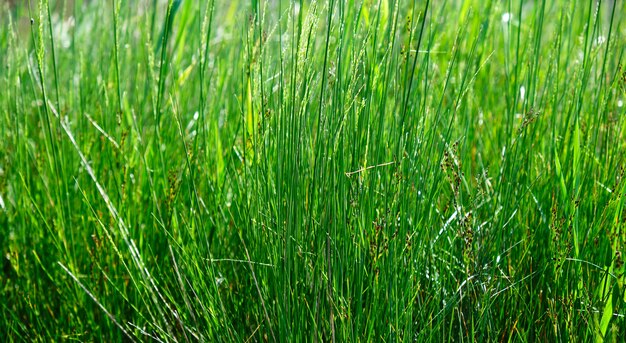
x: 313, y: 170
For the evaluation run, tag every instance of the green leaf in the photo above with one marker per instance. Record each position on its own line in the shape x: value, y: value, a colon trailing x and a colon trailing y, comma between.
x: 607, y: 314
x: 559, y: 174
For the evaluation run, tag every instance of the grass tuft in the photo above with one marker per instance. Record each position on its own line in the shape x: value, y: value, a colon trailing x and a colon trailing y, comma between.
x: 320, y: 170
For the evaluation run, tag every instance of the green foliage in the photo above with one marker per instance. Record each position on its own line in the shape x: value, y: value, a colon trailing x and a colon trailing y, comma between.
x: 320, y: 170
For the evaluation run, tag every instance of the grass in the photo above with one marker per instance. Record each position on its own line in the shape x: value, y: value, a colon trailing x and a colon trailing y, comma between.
x: 368, y: 170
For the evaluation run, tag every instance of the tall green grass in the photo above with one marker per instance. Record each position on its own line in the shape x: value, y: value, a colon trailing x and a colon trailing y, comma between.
x: 367, y: 170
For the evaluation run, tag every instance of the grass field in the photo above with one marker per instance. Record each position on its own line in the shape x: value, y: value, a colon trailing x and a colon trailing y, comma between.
x: 302, y: 170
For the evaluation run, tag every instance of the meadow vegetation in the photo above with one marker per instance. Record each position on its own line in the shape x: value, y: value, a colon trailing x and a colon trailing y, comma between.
x: 313, y: 170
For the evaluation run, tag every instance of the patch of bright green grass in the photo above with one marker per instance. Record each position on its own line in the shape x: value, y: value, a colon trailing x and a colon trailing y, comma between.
x: 369, y: 170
